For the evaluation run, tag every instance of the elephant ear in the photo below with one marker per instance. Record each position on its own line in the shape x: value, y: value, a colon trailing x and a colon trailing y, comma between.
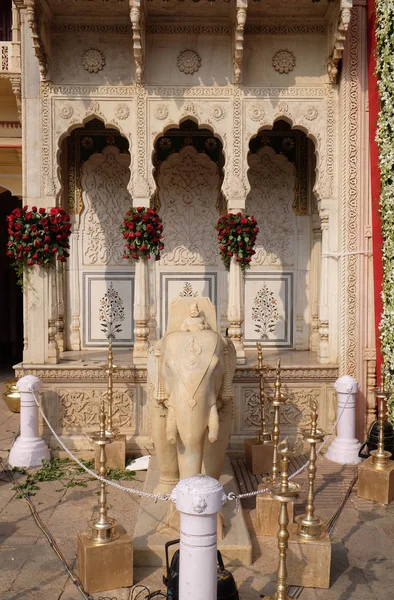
x: 226, y: 393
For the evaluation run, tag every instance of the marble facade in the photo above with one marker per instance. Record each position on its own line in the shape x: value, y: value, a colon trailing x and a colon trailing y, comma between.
x: 276, y: 92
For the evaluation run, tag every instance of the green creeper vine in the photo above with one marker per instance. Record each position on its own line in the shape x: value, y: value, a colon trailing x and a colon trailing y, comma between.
x: 385, y: 139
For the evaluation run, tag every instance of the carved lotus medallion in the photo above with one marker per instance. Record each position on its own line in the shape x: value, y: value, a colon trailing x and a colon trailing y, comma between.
x: 188, y: 62
x: 93, y: 60
x: 122, y: 111
x: 283, y: 61
x: 66, y: 111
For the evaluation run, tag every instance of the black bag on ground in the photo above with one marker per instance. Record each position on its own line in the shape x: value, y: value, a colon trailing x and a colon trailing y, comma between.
x: 227, y: 589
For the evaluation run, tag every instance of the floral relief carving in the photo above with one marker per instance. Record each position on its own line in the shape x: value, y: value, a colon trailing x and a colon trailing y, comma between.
x: 296, y: 411
x: 270, y: 200
x: 188, y: 61
x: 217, y: 112
x: 188, y: 185
x: 189, y: 108
x: 256, y: 112
x: 93, y: 60
x: 66, y: 111
x: 283, y: 109
x: 122, y: 111
x: 80, y: 408
x: 283, y: 61
x: 106, y: 199
x: 161, y: 112
x: 311, y: 113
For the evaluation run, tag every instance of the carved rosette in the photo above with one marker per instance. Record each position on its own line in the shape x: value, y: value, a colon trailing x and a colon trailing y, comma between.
x: 122, y: 111
x: 217, y: 112
x: 161, y: 112
x: 66, y: 111
x: 93, y: 60
x: 256, y: 112
x: 311, y: 113
x: 188, y: 62
x: 283, y: 61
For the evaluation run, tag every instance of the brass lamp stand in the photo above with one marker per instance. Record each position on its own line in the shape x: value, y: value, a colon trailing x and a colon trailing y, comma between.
x: 116, y: 453
x: 309, y: 525
x: 259, y: 451
x: 277, y: 400
x: 103, y: 528
x: 376, y: 473
x: 284, y: 492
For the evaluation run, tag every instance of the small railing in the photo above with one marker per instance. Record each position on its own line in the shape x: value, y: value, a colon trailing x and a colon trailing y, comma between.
x: 10, y: 57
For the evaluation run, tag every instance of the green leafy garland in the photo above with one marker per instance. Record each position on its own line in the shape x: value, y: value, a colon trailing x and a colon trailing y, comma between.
x: 385, y: 139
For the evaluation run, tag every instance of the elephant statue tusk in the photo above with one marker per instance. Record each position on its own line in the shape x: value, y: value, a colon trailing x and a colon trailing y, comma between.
x: 213, y: 424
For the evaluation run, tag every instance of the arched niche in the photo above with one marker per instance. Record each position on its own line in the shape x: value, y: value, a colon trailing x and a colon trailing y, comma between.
x: 188, y: 171
x: 95, y: 175
x: 282, y: 286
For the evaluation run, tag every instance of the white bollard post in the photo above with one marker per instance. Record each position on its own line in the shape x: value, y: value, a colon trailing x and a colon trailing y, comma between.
x: 198, y: 499
x: 29, y: 450
x: 344, y: 449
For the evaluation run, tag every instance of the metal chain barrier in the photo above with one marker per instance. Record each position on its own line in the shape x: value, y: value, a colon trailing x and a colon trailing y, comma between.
x: 238, y: 497
x: 165, y: 497
x: 124, y: 488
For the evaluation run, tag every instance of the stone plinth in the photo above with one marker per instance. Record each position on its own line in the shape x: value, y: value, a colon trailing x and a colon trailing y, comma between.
x: 103, y: 567
x: 259, y: 456
x: 376, y: 483
x: 116, y: 454
x: 267, y: 514
x: 308, y: 561
x: 149, y: 551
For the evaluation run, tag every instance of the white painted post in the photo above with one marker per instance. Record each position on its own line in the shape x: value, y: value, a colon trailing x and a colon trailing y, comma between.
x: 29, y: 450
x: 345, y: 447
x: 198, y: 499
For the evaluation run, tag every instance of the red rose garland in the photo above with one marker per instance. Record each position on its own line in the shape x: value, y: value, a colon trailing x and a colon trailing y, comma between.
x: 237, y: 237
x: 142, y: 230
x: 37, y: 237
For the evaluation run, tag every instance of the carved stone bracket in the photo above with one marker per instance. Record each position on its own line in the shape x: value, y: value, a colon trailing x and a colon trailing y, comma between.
x: 338, y: 40
x: 16, y: 84
x: 138, y: 26
x: 239, y: 29
x: 37, y: 38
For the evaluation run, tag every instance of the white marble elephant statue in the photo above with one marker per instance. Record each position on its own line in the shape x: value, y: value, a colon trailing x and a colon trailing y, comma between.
x: 192, y: 394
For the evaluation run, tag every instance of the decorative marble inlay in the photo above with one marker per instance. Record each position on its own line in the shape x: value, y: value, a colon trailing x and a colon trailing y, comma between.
x: 187, y: 291
x: 93, y: 60
x: 188, y: 61
x: 265, y: 312
x: 283, y: 61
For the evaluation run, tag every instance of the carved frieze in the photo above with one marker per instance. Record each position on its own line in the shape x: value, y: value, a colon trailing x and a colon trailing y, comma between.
x: 80, y: 408
x: 296, y: 411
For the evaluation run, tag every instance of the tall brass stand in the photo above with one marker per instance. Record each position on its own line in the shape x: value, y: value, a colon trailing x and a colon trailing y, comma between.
x: 277, y: 400
x: 264, y: 435
x: 309, y: 525
x: 285, y: 492
x: 110, y: 369
x: 381, y: 457
x: 102, y: 528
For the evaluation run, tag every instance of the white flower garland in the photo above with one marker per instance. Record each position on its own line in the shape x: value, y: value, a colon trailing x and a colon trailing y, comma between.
x: 385, y: 139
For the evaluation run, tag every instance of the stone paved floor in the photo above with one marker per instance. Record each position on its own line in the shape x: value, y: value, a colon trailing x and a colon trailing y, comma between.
x: 362, y: 541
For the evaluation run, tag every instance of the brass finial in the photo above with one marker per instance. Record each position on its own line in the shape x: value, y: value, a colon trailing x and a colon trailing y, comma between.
x: 309, y: 525
x: 277, y: 400
x: 284, y: 491
x: 381, y: 457
x: 110, y: 369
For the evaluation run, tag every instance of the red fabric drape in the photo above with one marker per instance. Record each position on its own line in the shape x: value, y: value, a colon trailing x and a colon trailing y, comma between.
x: 377, y: 239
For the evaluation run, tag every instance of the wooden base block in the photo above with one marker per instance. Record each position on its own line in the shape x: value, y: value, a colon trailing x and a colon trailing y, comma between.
x: 106, y: 566
x: 267, y: 514
x: 258, y: 456
x: 308, y: 561
x: 376, y: 483
x: 116, y: 454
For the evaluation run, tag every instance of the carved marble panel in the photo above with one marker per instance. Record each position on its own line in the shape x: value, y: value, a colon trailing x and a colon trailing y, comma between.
x: 188, y: 184
x: 80, y: 407
x: 106, y: 199
x: 270, y: 200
